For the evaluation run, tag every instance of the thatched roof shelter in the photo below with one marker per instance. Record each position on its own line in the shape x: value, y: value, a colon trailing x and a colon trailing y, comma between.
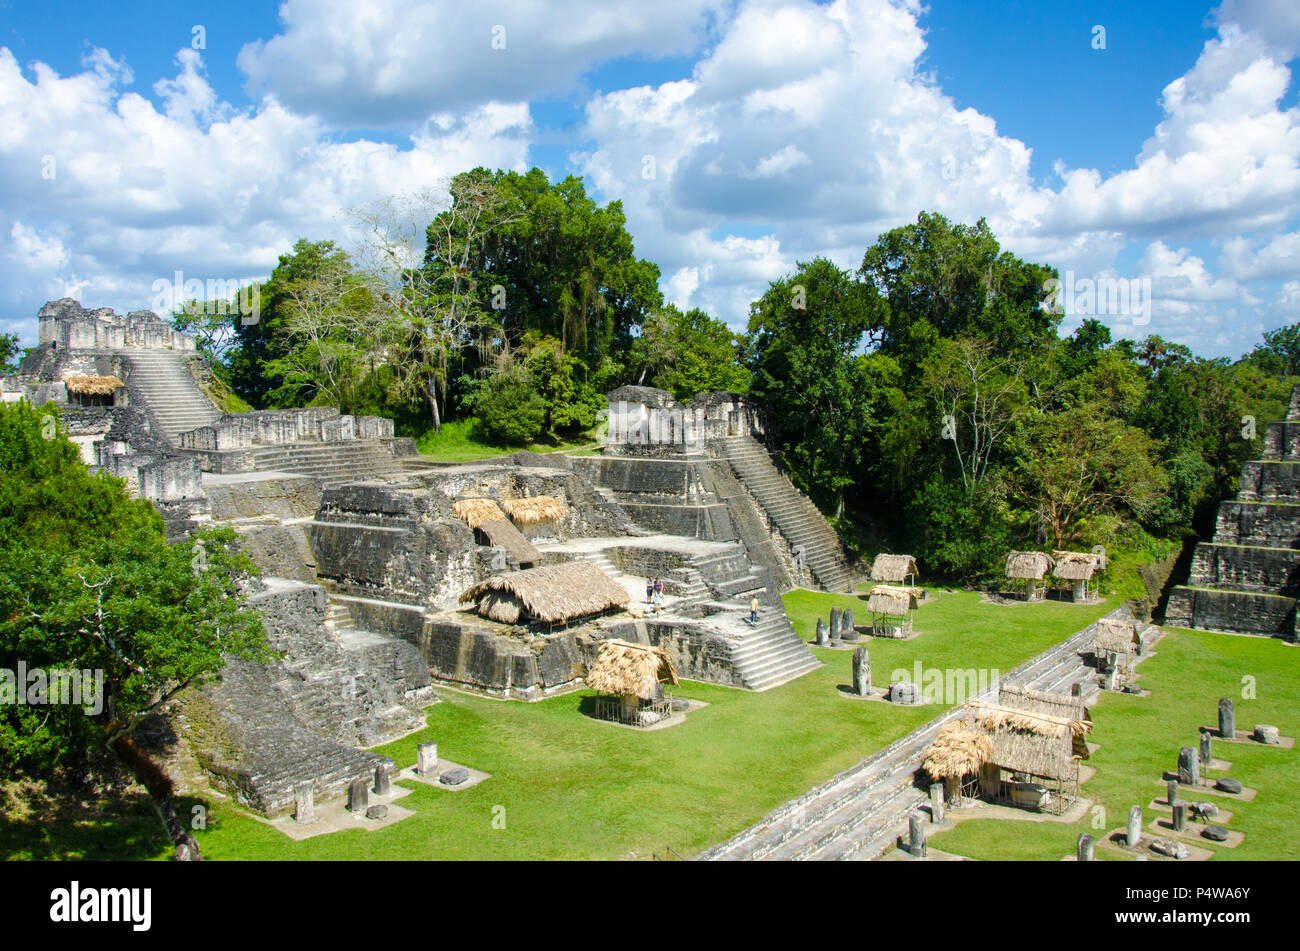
x: 1117, y: 636
x: 1041, y: 701
x: 1074, y: 565
x: 893, y: 568
x: 960, y: 749
x: 1028, y: 565
x: 501, y: 533
x: 478, y: 511
x: 1036, y: 744
x: 1035, y: 754
x: 552, y: 594
x: 627, y: 669
x: 92, y: 385
x: 538, y: 508
x: 994, y: 717
x: 892, y: 600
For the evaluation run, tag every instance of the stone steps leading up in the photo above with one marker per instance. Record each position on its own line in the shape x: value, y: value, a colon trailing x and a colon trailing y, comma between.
x: 1246, y: 580
x: 789, y: 511
x: 770, y: 653
x: 162, y: 380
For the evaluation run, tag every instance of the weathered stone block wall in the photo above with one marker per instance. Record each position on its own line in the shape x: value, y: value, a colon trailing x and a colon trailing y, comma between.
x: 642, y: 417
x: 289, y: 497
x: 1259, y: 523
x: 1238, y: 611
x: 352, y: 686
x: 1243, y: 568
x: 394, y: 544
x: 520, y: 666
x: 280, y: 551
x: 1266, y: 481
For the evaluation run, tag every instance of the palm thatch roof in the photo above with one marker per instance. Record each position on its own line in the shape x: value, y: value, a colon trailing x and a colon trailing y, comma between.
x: 1041, y: 701
x: 959, y: 749
x: 92, y: 385
x: 551, y: 593
x: 1034, y: 753
x: 538, y: 508
x: 503, y: 534
x: 1074, y: 565
x: 995, y: 718
x: 893, y: 568
x: 630, y: 669
x: 478, y: 511
x: 891, y: 599
x: 1028, y: 565
x: 1115, y: 635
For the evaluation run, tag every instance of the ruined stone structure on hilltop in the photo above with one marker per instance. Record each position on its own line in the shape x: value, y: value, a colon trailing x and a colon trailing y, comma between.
x: 365, y: 552
x: 1247, y: 579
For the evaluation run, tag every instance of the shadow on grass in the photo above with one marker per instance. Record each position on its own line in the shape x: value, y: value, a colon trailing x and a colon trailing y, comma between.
x: 38, y: 823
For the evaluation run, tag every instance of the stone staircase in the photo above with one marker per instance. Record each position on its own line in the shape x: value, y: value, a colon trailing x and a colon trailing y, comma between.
x: 860, y: 813
x: 162, y: 380
x: 1247, y: 579
x: 333, y: 463
x: 770, y: 653
x: 789, y: 510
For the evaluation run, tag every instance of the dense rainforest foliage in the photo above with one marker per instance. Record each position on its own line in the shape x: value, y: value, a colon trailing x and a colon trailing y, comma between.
x: 925, y: 400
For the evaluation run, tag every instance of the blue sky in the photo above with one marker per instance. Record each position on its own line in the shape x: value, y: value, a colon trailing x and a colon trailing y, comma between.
x: 778, y: 130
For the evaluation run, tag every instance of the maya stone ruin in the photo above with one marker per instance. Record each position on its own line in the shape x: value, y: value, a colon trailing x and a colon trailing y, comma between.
x: 383, y: 574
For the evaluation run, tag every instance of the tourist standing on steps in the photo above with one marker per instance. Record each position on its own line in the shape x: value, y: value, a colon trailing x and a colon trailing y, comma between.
x: 753, y: 609
x: 659, y: 591
x: 649, y: 590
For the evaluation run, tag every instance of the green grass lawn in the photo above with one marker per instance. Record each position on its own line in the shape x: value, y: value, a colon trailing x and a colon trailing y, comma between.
x: 571, y: 787
x: 1140, y: 738
x: 457, y: 442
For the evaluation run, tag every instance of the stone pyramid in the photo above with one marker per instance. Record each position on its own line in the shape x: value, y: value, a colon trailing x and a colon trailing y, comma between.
x: 1247, y: 580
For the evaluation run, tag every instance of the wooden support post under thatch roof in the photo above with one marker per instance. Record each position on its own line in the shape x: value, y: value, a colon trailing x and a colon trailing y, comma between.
x: 550, y: 594
x: 1076, y: 567
x: 1031, y: 568
x: 891, y: 610
x: 1115, y: 642
x: 894, y: 569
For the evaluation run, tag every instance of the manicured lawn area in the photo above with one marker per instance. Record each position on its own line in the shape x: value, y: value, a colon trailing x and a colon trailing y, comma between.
x: 571, y: 787
x: 1140, y: 738
x: 456, y: 442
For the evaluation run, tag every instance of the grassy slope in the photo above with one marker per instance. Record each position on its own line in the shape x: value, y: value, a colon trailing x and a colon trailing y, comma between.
x: 576, y: 788
x: 1140, y: 738
x: 456, y: 443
